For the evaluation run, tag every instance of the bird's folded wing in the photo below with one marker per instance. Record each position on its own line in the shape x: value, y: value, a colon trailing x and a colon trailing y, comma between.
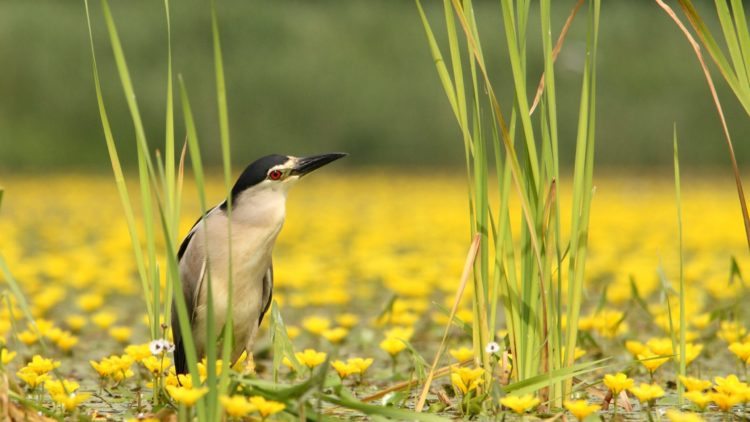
x: 267, y: 292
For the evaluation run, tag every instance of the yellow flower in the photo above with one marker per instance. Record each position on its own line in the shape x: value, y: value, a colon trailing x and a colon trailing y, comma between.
x: 698, y: 398
x: 72, y: 400
x: 676, y: 416
x: 203, y: 368
x: 335, y: 335
x: 316, y: 324
x: 520, y: 405
x: 156, y: 364
x: 121, y: 334
x: 741, y: 350
x: 56, y: 387
x: 691, y: 352
x: 466, y: 379
x: 27, y: 337
x: 288, y: 363
x: 66, y: 341
x: 694, y: 384
x: 462, y: 354
x: 701, y: 321
x: 31, y: 378
x: 731, y: 331
x: 310, y: 357
x: 651, y: 361
x: 659, y: 346
x: 392, y: 345
x: 104, y: 319
x: 730, y: 385
x: 90, y: 302
x: 54, y: 333
x: 103, y: 368
x: 41, y: 365
x: 265, y: 407
x: 75, y: 322
x: 186, y: 395
x: 115, y: 367
x: 6, y: 356
x: 618, y: 382
x: 344, y: 369
x: 43, y: 326
x: 292, y: 331
x: 138, y: 351
x: 361, y: 364
x: 236, y: 406
x: 181, y: 380
x: 580, y: 408
x: 347, y: 320
x: 725, y: 401
x: 402, y: 333
x: 647, y: 392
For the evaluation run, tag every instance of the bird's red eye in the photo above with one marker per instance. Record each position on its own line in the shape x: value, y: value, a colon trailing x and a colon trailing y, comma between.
x: 274, y: 175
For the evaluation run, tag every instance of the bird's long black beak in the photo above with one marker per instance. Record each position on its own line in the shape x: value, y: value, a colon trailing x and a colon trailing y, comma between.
x: 307, y: 164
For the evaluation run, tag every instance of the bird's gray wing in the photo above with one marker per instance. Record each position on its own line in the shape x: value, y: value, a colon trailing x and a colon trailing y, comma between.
x: 267, y: 292
x: 191, y: 284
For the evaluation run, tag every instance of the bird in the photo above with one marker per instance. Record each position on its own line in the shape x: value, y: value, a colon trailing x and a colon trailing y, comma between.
x: 258, y: 209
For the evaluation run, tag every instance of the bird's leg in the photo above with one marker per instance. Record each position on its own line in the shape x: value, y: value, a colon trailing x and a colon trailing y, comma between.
x: 250, y: 363
x: 249, y: 368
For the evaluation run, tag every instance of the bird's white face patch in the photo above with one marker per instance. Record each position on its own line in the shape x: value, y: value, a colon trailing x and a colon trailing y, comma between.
x: 279, y: 177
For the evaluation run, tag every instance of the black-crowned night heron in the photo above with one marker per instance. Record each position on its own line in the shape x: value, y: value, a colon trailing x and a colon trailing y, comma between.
x: 258, y: 210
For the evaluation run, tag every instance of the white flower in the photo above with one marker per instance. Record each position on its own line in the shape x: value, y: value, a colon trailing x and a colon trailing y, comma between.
x: 492, y: 348
x: 159, y: 346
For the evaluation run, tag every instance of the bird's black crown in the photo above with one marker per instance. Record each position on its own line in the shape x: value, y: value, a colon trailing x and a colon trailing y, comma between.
x: 256, y: 172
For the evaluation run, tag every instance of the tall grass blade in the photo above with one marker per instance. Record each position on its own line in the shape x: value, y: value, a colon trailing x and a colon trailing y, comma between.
x: 197, y: 165
x: 683, y: 315
x: 468, y: 264
x: 172, y: 181
x: 555, y: 51
x: 221, y: 99
x: 121, y: 186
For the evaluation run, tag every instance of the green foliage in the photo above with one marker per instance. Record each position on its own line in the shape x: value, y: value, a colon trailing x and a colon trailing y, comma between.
x: 351, y: 76
x: 526, y: 276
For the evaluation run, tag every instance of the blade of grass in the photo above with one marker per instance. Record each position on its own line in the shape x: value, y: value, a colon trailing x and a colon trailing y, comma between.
x: 120, y: 181
x: 197, y: 165
x: 446, y: 370
x: 171, y: 184
x: 146, y: 171
x: 282, y: 345
x: 345, y: 399
x: 683, y: 316
x: 468, y: 264
x: 221, y: 99
x: 555, y: 52
x: 538, y: 382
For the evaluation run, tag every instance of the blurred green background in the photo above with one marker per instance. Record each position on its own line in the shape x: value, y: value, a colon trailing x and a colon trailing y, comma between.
x: 351, y: 75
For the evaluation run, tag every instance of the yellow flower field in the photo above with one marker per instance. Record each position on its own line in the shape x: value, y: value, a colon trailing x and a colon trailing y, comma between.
x: 351, y: 243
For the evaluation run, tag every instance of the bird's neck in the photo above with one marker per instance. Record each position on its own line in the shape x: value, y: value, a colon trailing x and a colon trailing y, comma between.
x: 261, y: 208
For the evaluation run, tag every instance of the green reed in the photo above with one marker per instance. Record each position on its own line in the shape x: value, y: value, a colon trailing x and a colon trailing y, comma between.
x: 536, y: 272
